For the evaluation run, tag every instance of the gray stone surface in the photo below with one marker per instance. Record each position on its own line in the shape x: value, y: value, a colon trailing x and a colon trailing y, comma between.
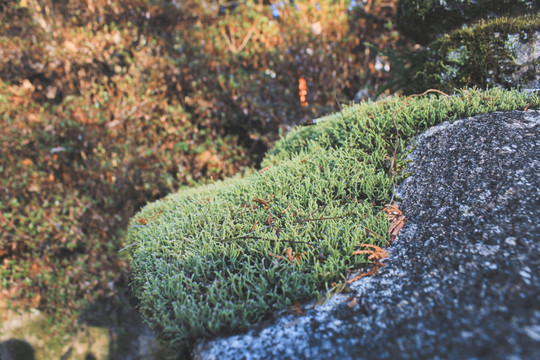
x: 463, y: 278
x: 526, y: 62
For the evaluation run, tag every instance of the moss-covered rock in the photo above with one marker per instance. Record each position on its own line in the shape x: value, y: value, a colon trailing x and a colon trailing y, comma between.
x: 502, y: 52
x: 223, y: 257
x: 426, y: 20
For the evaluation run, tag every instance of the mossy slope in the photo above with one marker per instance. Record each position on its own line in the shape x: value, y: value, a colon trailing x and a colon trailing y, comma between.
x: 498, y: 52
x: 198, y: 274
x: 425, y: 20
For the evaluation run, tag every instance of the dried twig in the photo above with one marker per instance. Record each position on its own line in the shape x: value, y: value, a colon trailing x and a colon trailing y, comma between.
x: 323, y: 218
x: 246, y: 236
x: 130, y: 245
x: 371, y: 272
x: 246, y: 39
x: 232, y: 44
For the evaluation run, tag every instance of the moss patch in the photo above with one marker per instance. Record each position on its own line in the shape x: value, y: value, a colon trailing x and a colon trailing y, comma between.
x: 490, y: 53
x: 213, y: 259
x: 425, y: 20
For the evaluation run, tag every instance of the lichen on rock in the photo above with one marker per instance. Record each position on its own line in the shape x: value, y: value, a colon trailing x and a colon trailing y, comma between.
x: 426, y: 20
x: 502, y: 52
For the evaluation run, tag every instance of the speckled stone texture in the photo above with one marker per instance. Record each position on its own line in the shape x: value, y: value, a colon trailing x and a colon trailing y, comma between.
x: 463, y: 278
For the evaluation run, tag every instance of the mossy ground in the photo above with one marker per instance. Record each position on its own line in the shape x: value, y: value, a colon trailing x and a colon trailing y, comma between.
x: 213, y: 260
x: 426, y: 20
x: 483, y: 55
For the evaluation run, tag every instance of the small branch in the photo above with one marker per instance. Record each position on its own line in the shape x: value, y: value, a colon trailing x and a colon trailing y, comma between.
x: 232, y: 47
x: 246, y: 236
x: 246, y: 39
x: 232, y: 44
x: 393, y: 192
x: 323, y: 218
x: 130, y: 245
x: 371, y: 232
x: 339, y: 105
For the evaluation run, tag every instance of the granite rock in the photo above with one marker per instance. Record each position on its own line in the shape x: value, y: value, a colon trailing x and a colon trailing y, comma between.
x: 463, y: 277
x: 501, y: 52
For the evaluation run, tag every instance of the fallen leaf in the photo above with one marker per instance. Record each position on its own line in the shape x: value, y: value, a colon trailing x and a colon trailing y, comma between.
x: 396, y: 226
x: 371, y: 272
x: 70, y: 46
x: 27, y: 162
x: 290, y: 257
x: 296, y: 309
x: 113, y: 124
x: 288, y: 206
x: 262, y: 202
x: 276, y: 256
x: 396, y: 217
x: 375, y: 255
x: 27, y: 85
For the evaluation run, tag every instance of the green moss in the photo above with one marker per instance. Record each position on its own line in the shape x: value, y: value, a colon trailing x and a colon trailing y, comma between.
x: 485, y: 55
x: 206, y: 260
x: 426, y: 20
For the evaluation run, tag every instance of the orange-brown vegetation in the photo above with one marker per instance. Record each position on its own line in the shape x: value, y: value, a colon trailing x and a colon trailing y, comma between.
x: 108, y: 104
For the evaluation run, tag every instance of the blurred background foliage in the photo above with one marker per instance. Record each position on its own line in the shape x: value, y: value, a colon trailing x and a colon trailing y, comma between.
x: 108, y: 104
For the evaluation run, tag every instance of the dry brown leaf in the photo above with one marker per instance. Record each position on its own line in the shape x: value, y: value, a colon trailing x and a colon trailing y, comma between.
x: 396, y: 227
x: 276, y: 256
x: 27, y: 162
x: 371, y: 272
x: 253, y: 228
x: 395, y: 216
x: 262, y: 202
x: 288, y: 206
x: 375, y: 255
x: 290, y: 257
x: 296, y: 309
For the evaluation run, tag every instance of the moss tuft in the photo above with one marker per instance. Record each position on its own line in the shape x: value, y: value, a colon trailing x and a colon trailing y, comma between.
x: 213, y: 260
